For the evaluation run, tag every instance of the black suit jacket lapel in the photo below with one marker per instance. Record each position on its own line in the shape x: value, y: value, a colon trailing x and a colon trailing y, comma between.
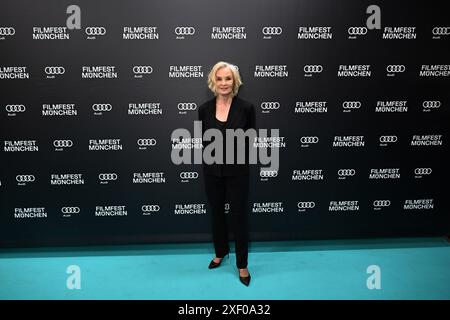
x: 232, y: 114
x: 211, y: 112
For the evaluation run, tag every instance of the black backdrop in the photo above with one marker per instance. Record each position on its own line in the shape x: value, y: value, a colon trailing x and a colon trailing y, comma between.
x: 36, y: 212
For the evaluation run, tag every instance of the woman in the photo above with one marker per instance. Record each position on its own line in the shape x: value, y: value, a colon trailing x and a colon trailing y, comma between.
x: 227, y: 182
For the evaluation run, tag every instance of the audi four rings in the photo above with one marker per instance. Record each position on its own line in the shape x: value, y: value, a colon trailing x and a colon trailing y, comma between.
x: 150, y: 208
x: 381, y: 203
x: 346, y: 172
x: 385, y: 139
x: 107, y: 176
x: 185, y: 106
x: 420, y: 171
x: 146, y: 142
x: 95, y: 31
x: 15, y: 108
x: 357, y: 31
x: 54, y: 70
x: 306, y: 204
x: 396, y: 68
x: 98, y: 107
x: 351, y: 104
x: 272, y: 31
x: 63, y: 143
x: 7, y: 31
x: 268, y: 173
x: 184, y: 31
x: 431, y: 104
x: 189, y: 175
x: 270, y: 105
x: 70, y: 210
x: 441, y: 31
x: 313, y: 68
x: 25, y: 178
x: 309, y: 139
x: 142, y: 69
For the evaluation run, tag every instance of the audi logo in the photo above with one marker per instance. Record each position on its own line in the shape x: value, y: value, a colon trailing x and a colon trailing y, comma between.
x: 431, y: 104
x: 150, y: 208
x: 95, y: 31
x: 357, y: 31
x: 15, y: 108
x: 441, y: 31
x: 306, y: 204
x: 67, y: 210
x: 54, y: 70
x: 184, y: 106
x: 98, y: 107
x: 381, y: 203
x: 270, y: 105
x: 142, y: 69
x: 146, y: 142
x: 63, y: 143
x: 25, y: 178
x: 272, y: 31
x: 420, y: 171
x: 268, y: 173
x: 184, y: 31
x: 396, y: 68
x: 351, y: 104
x: 312, y: 139
x: 7, y: 31
x: 309, y: 68
x: 346, y: 172
x: 107, y: 176
x: 385, y: 139
x: 189, y: 175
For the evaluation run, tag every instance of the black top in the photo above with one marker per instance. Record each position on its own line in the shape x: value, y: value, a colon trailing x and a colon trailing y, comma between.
x: 221, y: 125
x: 240, y: 116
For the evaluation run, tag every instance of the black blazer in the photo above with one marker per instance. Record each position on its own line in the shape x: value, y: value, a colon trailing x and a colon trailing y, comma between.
x: 241, y: 116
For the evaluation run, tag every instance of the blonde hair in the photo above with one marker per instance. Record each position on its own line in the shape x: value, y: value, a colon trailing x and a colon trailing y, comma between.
x: 234, y: 70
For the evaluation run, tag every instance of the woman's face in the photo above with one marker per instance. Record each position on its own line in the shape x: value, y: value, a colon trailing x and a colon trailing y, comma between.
x: 224, y: 81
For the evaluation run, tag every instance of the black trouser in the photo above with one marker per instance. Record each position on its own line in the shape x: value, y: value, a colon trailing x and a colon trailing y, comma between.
x: 234, y: 190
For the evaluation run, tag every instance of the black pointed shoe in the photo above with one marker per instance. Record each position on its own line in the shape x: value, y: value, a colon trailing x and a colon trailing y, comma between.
x: 245, y: 280
x: 213, y: 265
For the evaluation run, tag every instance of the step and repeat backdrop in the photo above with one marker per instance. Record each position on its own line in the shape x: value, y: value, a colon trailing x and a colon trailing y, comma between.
x: 91, y: 92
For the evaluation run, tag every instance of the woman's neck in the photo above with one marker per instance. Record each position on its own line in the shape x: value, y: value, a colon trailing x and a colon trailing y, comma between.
x: 221, y: 99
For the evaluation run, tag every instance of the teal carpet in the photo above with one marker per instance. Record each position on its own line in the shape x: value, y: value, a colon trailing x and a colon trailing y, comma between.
x: 407, y: 268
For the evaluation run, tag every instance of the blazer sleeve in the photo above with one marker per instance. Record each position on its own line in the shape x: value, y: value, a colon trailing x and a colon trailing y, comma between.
x: 200, y: 113
x: 201, y: 117
x: 251, y: 117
